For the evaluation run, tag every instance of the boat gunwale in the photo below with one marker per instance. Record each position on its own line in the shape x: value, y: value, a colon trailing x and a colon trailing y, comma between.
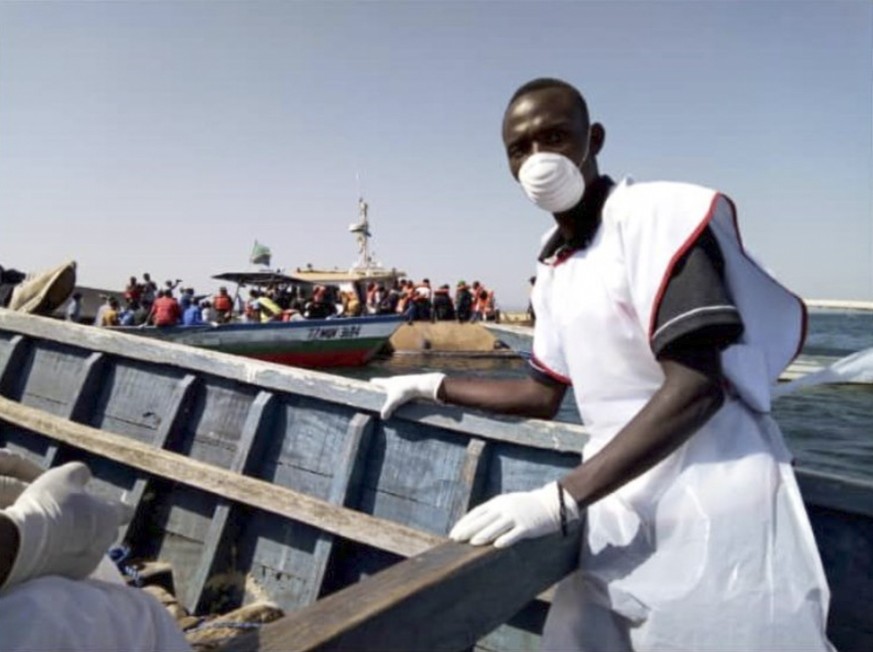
x: 349, y: 392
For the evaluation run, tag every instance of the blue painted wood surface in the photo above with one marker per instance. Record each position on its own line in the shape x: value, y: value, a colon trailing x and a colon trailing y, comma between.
x: 321, y: 435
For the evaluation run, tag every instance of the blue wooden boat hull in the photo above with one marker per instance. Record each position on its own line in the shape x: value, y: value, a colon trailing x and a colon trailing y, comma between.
x: 313, y: 343
x: 327, y: 493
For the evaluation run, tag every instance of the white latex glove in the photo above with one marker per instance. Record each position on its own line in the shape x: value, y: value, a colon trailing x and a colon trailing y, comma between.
x: 16, y: 473
x: 401, y: 389
x: 509, y: 518
x: 63, y: 530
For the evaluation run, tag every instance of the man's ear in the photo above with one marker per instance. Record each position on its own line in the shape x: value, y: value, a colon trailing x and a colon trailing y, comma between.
x: 598, y: 136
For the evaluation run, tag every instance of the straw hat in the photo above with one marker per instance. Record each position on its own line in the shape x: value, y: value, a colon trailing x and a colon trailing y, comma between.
x: 44, y: 292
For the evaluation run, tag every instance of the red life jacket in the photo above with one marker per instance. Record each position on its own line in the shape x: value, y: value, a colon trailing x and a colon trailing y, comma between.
x: 222, y: 303
x: 166, y: 311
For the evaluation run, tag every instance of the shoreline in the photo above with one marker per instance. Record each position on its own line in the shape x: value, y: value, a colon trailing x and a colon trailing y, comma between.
x: 838, y: 304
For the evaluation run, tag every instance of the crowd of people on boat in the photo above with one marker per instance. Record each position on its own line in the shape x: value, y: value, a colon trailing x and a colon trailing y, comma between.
x: 422, y: 302
x: 145, y: 303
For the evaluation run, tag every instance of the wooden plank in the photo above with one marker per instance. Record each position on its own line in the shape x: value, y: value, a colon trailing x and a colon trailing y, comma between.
x: 83, y: 399
x: 470, y: 487
x: 176, y: 410
x: 14, y: 361
x: 220, y: 527
x: 275, y: 499
x: 344, y: 482
x: 444, y: 599
x: 356, y: 394
x: 468, y: 482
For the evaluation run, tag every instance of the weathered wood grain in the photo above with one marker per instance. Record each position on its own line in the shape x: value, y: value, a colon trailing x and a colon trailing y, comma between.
x: 343, y: 488
x: 175, y: 411
x: 444, y: 599
x: 469, y: 479
x: 218, y: 534
x: 83, y: 398
x: 14, y: 355
x: 363, y: 528
x: 359, y: 395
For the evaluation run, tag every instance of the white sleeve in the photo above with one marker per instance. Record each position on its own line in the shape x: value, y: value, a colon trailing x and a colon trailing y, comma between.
x: 55, y: 613
x: 548, y: 352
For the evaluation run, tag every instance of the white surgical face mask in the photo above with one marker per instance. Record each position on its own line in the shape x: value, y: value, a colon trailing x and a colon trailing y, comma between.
x: 551, y: 181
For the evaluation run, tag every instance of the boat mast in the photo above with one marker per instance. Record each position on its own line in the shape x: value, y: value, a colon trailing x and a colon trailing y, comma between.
x: 361, y: 229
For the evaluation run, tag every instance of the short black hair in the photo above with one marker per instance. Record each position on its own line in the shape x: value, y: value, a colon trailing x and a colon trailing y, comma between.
x: 541, y: 83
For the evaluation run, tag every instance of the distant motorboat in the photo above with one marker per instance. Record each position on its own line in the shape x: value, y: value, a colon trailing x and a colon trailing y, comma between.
x: 312, y: 343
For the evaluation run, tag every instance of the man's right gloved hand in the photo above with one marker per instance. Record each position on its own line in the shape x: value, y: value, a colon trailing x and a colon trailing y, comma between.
x: 63, y: 529
x: 401, y: 389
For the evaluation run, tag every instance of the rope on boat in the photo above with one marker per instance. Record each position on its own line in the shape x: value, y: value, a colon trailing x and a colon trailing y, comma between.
x: 229, y: 624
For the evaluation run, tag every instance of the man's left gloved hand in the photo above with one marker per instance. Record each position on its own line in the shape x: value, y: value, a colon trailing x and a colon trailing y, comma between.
x: 402, y: 389
x: 509, y: 518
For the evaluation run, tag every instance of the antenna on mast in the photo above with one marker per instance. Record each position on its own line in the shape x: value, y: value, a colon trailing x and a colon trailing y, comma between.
x: 362, y: 230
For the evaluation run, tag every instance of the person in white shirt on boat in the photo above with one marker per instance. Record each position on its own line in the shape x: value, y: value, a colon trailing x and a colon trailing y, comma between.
x: 671, y: 336
x: 207, y: 313
x: 58, y: 590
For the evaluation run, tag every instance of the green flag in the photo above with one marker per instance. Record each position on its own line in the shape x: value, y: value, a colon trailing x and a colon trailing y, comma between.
x: 260, y: 254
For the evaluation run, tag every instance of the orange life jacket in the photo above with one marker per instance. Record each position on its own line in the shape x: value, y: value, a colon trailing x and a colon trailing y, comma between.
x: 222, y: 303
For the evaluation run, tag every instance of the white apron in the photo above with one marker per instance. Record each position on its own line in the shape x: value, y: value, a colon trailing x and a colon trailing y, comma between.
x: 712, y: 548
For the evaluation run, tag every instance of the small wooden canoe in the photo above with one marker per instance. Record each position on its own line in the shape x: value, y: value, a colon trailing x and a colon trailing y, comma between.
x: 257, y: 481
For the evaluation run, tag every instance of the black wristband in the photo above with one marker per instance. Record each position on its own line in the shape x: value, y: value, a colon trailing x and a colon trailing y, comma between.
x: 562, y: 509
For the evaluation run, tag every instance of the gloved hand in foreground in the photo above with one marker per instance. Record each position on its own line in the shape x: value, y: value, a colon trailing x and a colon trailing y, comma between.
x: 16, y: 473
x: 509, y: 518
x: 401, y: 389
x: 62, y: 529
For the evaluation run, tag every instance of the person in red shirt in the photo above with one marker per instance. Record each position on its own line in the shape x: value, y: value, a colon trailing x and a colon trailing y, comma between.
x: 165, y: 310
x: 133, y: 291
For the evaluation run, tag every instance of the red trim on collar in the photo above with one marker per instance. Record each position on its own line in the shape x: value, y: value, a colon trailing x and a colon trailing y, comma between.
x: 563, y: 255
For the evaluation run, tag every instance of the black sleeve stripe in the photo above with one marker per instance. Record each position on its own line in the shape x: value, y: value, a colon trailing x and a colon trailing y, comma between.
x: 701, y: 331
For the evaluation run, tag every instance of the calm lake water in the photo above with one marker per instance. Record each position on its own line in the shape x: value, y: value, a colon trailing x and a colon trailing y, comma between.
x: 829, y: 428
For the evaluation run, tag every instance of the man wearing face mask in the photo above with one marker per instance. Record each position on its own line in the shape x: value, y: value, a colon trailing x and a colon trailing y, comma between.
x: 671, y: 336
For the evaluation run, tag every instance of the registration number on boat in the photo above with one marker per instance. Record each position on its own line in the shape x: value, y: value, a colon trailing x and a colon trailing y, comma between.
x: 332, y: 332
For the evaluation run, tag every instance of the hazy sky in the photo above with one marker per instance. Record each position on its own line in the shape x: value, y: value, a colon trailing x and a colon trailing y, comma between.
x: 168, y: 136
